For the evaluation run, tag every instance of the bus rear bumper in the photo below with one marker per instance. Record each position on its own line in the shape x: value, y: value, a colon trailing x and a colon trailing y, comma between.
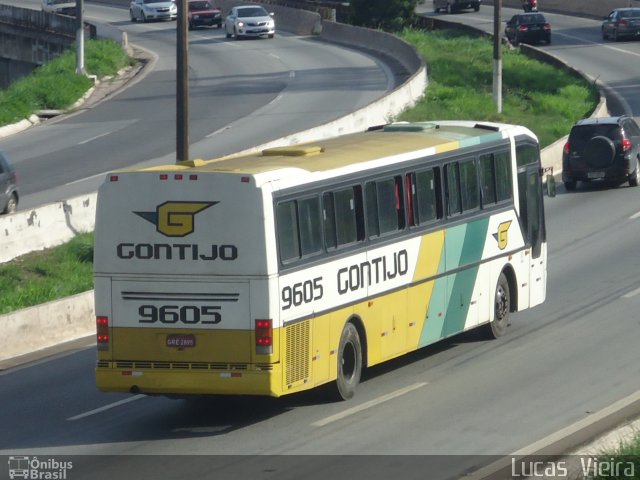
x: 189, y: 382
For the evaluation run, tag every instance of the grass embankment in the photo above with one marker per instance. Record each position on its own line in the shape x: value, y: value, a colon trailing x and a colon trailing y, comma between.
x: 56, y: 85
x: 460, y: 77
x: 539, y: 96
x: 625, y: 461
x: 40, y: 277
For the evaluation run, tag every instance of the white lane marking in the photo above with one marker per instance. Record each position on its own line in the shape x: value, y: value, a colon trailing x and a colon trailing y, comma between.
x: 619, y: 50
x: 276, y: 99
x: 632, y: 294
x: 634, y: 216
x: 369, y: 404
x: 292, y: 73
x: 274, y: 56
x: 220, y: 130
x: 94, y: 138
x: 106, y: 407
x: 88, y: 178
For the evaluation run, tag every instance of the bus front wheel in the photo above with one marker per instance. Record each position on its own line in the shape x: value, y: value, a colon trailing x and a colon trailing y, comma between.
x: 349, y: 362
x: 502, y: 306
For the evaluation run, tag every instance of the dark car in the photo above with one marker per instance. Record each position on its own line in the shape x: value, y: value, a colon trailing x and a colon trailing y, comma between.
x: 451, y: 6
x: 202, y: 13
x: 528, y: 28
x: 621, y: 22
x: 602, y: 149
x: 9, y: 195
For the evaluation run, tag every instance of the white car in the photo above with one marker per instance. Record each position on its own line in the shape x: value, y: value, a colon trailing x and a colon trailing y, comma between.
x: 249, y: 21
x: 146, y: 10
x: 62, y: 7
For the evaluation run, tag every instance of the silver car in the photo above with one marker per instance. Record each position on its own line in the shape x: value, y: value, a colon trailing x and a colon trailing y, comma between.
x: 146, y: 10
x: 62, y: 7
x: 249, y: 21
x: 8, y: 186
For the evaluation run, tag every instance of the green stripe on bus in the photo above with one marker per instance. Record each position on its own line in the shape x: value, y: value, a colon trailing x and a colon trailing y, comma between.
x: 449, y: 303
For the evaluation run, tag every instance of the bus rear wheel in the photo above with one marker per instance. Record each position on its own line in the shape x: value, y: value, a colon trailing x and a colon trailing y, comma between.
x: 501, y: 307
x: 349, y: 362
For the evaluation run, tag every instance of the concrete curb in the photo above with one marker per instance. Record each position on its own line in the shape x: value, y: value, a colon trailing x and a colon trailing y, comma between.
x: 565, y: 440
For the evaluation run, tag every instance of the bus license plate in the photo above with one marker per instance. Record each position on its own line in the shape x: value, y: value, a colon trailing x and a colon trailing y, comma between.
x: 181, y: 341
x: 595, y: 174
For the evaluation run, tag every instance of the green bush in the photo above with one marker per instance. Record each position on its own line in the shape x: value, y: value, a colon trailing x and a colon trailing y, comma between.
x: 392, y: 15
x: 56, y: 85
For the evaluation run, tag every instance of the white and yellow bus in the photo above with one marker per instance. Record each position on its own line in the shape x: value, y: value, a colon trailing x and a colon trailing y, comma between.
x: 276, y: 272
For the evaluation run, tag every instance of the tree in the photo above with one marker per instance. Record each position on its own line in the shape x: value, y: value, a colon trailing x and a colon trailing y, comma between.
x: 390, y: 15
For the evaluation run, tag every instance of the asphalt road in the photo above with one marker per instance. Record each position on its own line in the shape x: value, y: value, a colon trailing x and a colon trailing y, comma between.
x: 577, y: 42
x: 464, y: 399
x: 242, y: 94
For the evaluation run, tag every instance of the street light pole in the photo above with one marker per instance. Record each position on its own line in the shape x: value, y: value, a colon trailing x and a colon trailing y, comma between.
x: 79, y: 38
x: 182, y: 85
x: 497, y: 56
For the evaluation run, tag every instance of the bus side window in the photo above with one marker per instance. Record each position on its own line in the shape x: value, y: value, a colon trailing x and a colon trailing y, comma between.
x: 495, y: 178
x: 409, y: 180
x: 287, y: 224
x: 385, y: 206
x: 371, y: 208
x: 348, y: 216
x: 452, y: 185
x: 503, y: 176
x: 309, y: 226
x: 469, y: 185
x: 426, y: 194
x: 299, y: 231
x: 487, y: 179
x: 329, y: 221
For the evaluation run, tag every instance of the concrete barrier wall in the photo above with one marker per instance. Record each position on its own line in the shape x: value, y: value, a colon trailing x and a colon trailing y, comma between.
x: 46, y: 226
x: 29, y: 38
x: 375, y: 40
x: 46, y: 325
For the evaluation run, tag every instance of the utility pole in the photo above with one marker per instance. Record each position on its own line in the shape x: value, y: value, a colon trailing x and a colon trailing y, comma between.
x: 79, y: 38
x: 497, y: 55
x: 182, y: 85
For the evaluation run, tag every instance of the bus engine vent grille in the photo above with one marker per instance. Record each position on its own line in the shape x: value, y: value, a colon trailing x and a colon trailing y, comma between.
x: 297, y: 357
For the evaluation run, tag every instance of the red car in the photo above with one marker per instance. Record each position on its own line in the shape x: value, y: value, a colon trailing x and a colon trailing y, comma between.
x: 203, y: 13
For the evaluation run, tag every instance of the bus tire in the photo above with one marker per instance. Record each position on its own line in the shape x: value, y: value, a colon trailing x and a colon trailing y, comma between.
x: 349, y: 362
x: 501, y: 307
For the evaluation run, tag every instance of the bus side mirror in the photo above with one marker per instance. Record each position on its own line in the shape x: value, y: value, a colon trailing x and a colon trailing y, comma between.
x: 551, y: 186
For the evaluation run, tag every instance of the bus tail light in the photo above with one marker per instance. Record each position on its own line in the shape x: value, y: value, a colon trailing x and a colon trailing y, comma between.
x: 264, y: 336
x: 102, y: 329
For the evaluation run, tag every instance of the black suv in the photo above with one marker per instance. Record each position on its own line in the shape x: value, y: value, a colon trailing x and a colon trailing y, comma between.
x: 451, y: 6
x: 603, y: 149
x: 528, y: 28
x: 8, y: 187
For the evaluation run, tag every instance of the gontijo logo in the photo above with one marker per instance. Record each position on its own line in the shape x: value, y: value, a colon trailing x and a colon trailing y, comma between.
x: 502, y: 235
x: 175, y: 219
